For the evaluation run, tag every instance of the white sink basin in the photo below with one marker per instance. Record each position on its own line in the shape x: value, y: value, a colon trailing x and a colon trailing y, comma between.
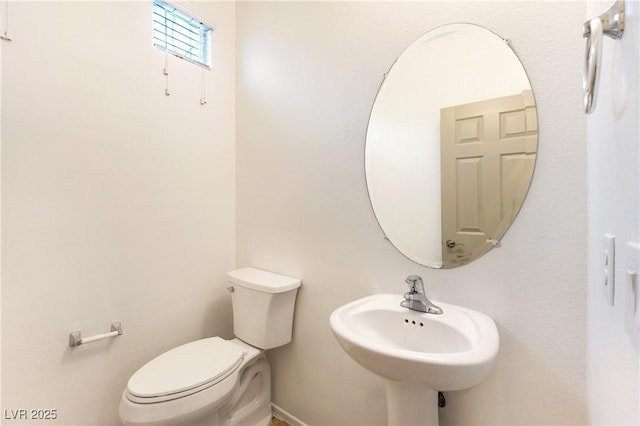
x: 418, y: 353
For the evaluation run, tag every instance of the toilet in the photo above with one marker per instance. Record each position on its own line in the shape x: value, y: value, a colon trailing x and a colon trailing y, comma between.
x: 214, y: 381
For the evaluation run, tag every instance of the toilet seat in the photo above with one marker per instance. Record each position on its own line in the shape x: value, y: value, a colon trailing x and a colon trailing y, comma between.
x: 185, y: 370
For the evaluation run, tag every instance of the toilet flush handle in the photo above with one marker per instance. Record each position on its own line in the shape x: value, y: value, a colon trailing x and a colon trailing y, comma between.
x: 231, y: 290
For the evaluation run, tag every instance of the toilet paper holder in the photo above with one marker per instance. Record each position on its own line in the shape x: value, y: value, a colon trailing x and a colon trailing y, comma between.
x: 76, y: 339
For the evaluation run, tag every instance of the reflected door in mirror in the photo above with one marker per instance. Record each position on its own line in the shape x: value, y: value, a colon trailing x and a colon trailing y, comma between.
x: 486, y: 149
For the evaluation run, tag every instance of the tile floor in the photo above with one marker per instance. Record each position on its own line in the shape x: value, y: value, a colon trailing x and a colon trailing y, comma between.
x: 277, y: 422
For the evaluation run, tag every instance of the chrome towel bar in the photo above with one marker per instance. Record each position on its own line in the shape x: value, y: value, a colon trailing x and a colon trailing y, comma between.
x: 75, y: 338
x: 610, y: 23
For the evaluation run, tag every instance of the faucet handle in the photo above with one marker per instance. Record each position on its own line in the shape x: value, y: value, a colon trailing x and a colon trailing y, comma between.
x: 415, y: 284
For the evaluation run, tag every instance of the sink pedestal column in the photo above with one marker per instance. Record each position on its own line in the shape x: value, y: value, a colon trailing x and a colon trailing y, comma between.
x: 411, y: 404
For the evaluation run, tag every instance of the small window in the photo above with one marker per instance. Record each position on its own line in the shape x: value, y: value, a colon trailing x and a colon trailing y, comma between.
x: 181, y: 35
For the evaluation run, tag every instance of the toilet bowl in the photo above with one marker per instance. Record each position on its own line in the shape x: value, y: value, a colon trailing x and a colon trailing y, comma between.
x: 214, y: 381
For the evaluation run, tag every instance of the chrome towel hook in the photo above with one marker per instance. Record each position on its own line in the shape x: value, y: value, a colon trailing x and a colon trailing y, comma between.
x: 610, y: 23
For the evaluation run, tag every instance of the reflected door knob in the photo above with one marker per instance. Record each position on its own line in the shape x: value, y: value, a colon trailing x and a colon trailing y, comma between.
x: 452, y: 244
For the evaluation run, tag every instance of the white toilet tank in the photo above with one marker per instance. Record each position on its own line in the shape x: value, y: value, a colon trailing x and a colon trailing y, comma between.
x: 263, y: 304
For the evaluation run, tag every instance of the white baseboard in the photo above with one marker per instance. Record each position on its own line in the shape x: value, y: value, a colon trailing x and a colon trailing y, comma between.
x: 286, y: 416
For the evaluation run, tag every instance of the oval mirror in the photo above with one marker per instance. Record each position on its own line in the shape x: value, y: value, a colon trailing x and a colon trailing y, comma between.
x: 451, y: 145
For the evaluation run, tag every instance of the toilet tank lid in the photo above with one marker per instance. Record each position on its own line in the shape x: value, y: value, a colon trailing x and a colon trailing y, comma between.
x: 264, y: 281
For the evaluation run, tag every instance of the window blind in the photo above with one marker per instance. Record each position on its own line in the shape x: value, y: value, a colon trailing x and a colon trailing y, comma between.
x: 181, y: 35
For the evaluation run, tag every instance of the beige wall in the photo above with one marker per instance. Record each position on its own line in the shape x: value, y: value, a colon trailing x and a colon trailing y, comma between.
x: 307, y: 76
x: 117, y: 201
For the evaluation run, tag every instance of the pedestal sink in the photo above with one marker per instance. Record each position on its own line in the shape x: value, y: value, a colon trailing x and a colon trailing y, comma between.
x: 418, y: 353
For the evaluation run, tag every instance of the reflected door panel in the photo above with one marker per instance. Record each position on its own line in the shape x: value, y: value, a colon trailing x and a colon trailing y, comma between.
x: 485, y: 145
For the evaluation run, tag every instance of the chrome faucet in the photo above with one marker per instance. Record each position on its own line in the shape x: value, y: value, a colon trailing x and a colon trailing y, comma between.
x: 416, y: 299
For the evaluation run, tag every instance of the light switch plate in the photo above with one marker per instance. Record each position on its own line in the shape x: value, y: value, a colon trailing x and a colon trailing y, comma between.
x: 609, y: 261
